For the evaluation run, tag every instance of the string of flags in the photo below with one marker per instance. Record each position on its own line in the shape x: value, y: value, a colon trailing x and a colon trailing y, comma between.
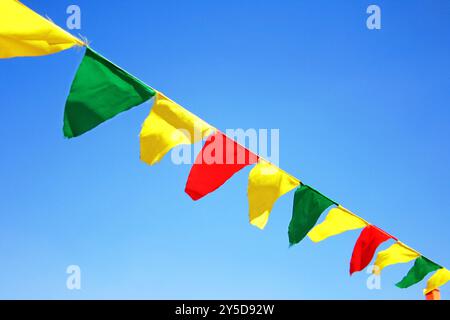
x: 101, y: 90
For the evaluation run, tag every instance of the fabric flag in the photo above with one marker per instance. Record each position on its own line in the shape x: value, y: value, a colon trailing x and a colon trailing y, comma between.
x: 366, y: 245
x: 422, y: 266
x: 24, y: 33
x: 337, y: 221
x: 266, y: 183
x: 100, y: 91
x: 437, y: 280
x: 397, y: 253
x: 168, y: 126
x: 308, y: 206
x: 219, y: 159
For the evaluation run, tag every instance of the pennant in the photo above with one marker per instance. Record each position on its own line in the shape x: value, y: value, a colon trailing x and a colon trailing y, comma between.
x: 218, y: 161
x: 168, y: 126
x: 366, y: 245
x: 266, y: 183
x: 25, y: 33
x: 337, y: 221
x: 100, y: 91
x: 397, y: 253
x: 308, y: 206
x: 441, y: 277
x: 422, y: 266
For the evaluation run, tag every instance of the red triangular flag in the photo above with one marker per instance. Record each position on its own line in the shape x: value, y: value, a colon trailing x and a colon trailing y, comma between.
x: 366, y: 245
x: 219, y: 159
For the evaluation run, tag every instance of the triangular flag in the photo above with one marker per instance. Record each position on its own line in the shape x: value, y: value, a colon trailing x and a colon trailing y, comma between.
x: 441, y: 277
x: 100, y: 91
x: 25, y: 33
x: 168, y: 126
x: 422, y: 266
x: 366, y: 245
x: 397, y: 253
x: 309, y: 204
x: 337, y: 221
x: 266, y: 183
x: 219, y: 159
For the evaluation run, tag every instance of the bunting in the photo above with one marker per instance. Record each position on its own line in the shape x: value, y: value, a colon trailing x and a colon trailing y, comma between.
x: 308, y: 206
x: 219, y: 159
x: 167, y: 126
x: 266, y: 183
x: 366, y: 245
x: 422, y: 266
x: 337, y: 221
x: 25, y: 33
x: 441, y: 277
x: 397, y: 253
x: 100, y: 91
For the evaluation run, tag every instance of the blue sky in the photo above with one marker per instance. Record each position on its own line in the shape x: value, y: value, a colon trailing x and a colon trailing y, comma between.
x: 363, y: 117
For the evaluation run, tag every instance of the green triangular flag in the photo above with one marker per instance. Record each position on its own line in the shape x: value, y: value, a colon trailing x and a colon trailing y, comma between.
x: 308, y: 206
x: 422, y: 266
x: 100, y: 91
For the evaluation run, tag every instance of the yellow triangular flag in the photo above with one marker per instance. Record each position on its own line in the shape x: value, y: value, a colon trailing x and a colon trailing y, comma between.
x: 168, y: 126
x: 338, y: 220
x: 266, y: 183
x: 437, y: 280
x: 397, y: 253
x: 25, y: 33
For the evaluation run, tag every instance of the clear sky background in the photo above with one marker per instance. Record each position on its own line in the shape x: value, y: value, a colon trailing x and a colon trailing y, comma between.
x: 363, y: 117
